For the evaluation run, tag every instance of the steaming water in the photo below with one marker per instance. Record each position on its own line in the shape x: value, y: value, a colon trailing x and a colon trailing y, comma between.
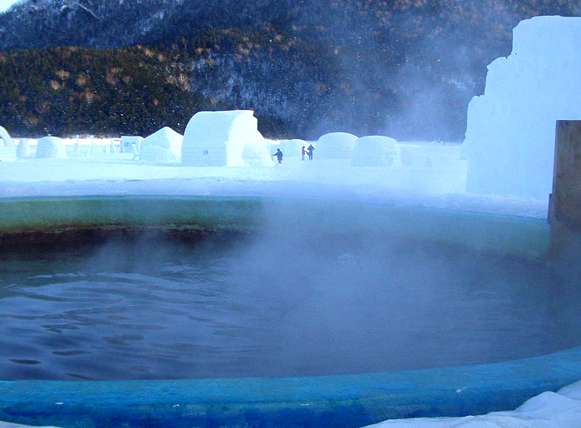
x: 150, y: 308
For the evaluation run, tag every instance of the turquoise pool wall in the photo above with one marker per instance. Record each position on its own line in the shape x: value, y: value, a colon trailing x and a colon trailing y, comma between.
x: 334, y: 401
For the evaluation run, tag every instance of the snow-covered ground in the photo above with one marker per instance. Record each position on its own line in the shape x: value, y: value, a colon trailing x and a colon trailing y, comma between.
x: 547, y: 410
x: 436, y: 187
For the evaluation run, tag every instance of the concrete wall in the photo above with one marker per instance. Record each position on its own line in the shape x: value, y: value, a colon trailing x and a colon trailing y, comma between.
x: 565, y: 204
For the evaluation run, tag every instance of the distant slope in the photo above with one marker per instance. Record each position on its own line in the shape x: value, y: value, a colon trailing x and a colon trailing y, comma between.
x: 407, y: 68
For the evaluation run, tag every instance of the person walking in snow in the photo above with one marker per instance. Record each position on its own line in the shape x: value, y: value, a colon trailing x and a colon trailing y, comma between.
x: 278, y: 154
x: 303, y: 152
x: 310, y: 151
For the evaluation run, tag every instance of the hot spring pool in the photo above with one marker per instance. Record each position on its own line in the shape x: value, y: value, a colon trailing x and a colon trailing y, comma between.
x: 224, y: 312
x: 151, y: 307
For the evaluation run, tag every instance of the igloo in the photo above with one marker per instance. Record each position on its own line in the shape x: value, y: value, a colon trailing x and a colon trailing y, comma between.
x: 5, y: 139
x: 51, y: 148
x: 224, y: 138
x: 336, y: 145
x: 375, y: 151
x: 292, y: 148
x: 23, y: 149
x: 164, y: 145
x: 511, y: 128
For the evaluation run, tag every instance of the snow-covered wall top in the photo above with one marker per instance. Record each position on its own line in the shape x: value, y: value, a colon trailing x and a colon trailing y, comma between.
x: 224, y: 138
x: 511, y: 128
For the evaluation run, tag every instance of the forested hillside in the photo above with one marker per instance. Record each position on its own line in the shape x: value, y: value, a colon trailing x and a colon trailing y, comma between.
x: 407, y: 68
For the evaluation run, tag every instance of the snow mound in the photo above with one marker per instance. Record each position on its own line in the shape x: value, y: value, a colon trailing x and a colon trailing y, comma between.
x: 23, y: 150
x: 511, y: 128
x: 51, y: 148
x: 292, y: 148
x: 547, y: 410
x: 375, y: 151
x: 164, y: 145
x: 224, y: 138
x: 5, y: 139
x: 336, y: 145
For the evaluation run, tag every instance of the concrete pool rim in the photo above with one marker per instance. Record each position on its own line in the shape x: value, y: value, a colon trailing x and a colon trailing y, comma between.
x: 346, y: 400
x: 343, y: 400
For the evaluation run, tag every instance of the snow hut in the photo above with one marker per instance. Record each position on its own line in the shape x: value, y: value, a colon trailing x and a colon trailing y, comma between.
x: 336, y: 145
x: 375, y: 151
x: 51, y: 148
x: 23, y: 149
x: 292, y: 148
x: 224, y: 138
x: 131, y: 144
x: 5, y: 139
x: 164, y: 145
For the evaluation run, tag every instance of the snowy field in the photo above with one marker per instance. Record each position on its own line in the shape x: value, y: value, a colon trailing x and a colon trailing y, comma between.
x: 430, y: 174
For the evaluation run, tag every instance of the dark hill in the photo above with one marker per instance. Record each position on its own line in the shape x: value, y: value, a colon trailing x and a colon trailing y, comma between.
x: 403, y: 67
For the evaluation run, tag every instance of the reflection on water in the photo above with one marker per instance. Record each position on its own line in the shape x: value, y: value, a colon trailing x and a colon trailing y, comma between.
x: 152, y: 309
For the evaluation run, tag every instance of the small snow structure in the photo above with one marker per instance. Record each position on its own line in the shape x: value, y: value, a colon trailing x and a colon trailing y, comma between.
x: 51, y: 148
x: 292, y: 148
x: 163, y: 146
x: 375, y: 151
x: 336, y: 145
x: 5, y: 139
x: 131, y: 144
x: 23, y: 149
x: 225, y: 138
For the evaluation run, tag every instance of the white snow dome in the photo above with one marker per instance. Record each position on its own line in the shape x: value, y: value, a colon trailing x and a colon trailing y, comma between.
x: 164, y: 145
x: 5, y: 139
x: 336, y: 145
x: 375, y: 150
x: 51, y: 148
x: 292, y: 148
x: 23, y: 149
x: 225, y: 138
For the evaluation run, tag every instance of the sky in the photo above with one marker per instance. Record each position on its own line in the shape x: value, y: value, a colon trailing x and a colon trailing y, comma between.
x: 5, y: 4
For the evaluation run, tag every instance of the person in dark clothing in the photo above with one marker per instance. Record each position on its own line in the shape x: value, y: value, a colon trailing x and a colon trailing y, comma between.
x: 278, y: 154
x: 303, y: 153
x: 310, y: 151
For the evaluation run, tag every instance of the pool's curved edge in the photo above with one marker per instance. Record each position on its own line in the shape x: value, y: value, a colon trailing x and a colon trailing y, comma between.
x: 338, y: 401
x: 506, y: 235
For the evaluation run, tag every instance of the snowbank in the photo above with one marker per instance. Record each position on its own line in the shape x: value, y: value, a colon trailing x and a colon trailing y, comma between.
x: 224, y: 138
x: 5, y: 139
x: 548, y: 410
x: 164, y: 145
x: 51, y: 148
x: 336, y: 145
x: 375, y: 151
x: 511, y: 128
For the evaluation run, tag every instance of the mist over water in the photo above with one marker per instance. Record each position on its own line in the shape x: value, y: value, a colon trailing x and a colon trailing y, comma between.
x: 305, y: 296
